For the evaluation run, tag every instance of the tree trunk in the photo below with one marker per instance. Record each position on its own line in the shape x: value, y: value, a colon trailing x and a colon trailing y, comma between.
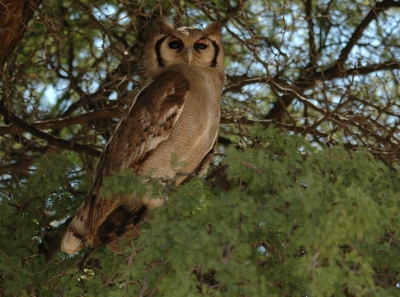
x: 14, y: 18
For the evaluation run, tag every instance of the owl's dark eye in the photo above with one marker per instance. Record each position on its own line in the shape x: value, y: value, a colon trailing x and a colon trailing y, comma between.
x: 201, y: 45
x: 175, y: 44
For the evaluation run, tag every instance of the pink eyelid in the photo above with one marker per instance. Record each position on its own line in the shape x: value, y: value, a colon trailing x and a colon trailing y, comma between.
x: 201, y: 41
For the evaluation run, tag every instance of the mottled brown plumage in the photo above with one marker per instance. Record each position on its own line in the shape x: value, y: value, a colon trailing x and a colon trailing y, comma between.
x: 176, y: 114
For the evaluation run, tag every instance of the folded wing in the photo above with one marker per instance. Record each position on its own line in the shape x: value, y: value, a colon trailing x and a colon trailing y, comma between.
x: 148, y: 123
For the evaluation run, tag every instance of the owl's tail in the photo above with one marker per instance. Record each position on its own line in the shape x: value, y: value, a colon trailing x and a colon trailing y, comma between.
x: 75, y: 237
x: 121, y: 223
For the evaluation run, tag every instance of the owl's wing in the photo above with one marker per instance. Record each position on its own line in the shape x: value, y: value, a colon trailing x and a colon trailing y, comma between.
x: 148, y: 123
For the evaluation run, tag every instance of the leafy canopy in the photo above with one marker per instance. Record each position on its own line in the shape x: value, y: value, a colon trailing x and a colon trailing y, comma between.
x: 296, y: 220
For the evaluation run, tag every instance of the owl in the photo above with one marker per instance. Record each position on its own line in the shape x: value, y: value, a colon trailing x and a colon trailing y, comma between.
x: 176, y: 114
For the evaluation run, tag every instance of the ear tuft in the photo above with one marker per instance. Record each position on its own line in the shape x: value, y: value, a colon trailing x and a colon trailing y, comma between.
x: 160, y: 25
x: 162, y: 21
x: 214, y: 29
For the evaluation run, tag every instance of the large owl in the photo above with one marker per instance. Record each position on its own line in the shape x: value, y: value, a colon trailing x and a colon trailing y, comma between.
x: 177, y: 113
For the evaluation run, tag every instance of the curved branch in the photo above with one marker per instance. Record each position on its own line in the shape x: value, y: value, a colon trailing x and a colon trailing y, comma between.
x: 46, y: 136
x: 113, y: 112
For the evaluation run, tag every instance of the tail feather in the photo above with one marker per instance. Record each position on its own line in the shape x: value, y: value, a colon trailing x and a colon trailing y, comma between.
x: 75, y: 237
x: 120, y: 223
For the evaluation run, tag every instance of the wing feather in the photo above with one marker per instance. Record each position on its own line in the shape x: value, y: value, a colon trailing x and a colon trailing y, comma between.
x: 148, y: 122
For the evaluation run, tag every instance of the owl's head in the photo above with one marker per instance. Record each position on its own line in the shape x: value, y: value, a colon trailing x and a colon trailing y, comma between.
x: 166, y: 46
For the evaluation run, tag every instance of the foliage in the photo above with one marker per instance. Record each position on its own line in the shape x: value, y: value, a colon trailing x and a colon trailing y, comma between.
x: 312, y: 205
x: 296, y: 221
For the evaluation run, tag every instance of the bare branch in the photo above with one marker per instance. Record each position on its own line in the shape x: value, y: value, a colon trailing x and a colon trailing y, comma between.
x: 112, y: 112
x: 46, y: 136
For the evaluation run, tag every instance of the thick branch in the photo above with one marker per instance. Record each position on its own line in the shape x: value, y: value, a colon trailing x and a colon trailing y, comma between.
x: 113, y: 112
x: 14, y: 17
x: 15, y: 168
x: 327, y: 75
x: 372, y: 68
x: 46, y: 136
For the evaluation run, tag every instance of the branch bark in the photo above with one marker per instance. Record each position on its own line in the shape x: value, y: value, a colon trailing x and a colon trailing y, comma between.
x: 311, y: 35
x: 46, y: 136
x: 14, y: 18
x: 112, y: 112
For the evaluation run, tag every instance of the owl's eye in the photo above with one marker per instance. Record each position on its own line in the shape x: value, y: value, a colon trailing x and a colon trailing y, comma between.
x: 175, y: 44
x: 201, y: 45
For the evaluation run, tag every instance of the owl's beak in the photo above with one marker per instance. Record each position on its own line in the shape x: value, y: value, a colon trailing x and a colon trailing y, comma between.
x: 189, y: 55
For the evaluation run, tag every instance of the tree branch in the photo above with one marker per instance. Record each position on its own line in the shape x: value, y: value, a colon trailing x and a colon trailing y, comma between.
x: 46, y: 136
x: 372, y: 68
x: 14, y: 17
x: 15, y: 168
x: 311, y: 34
x: 113, y: 112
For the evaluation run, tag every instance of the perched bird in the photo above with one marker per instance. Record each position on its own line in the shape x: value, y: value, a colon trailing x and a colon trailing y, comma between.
x: 177, y: 113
